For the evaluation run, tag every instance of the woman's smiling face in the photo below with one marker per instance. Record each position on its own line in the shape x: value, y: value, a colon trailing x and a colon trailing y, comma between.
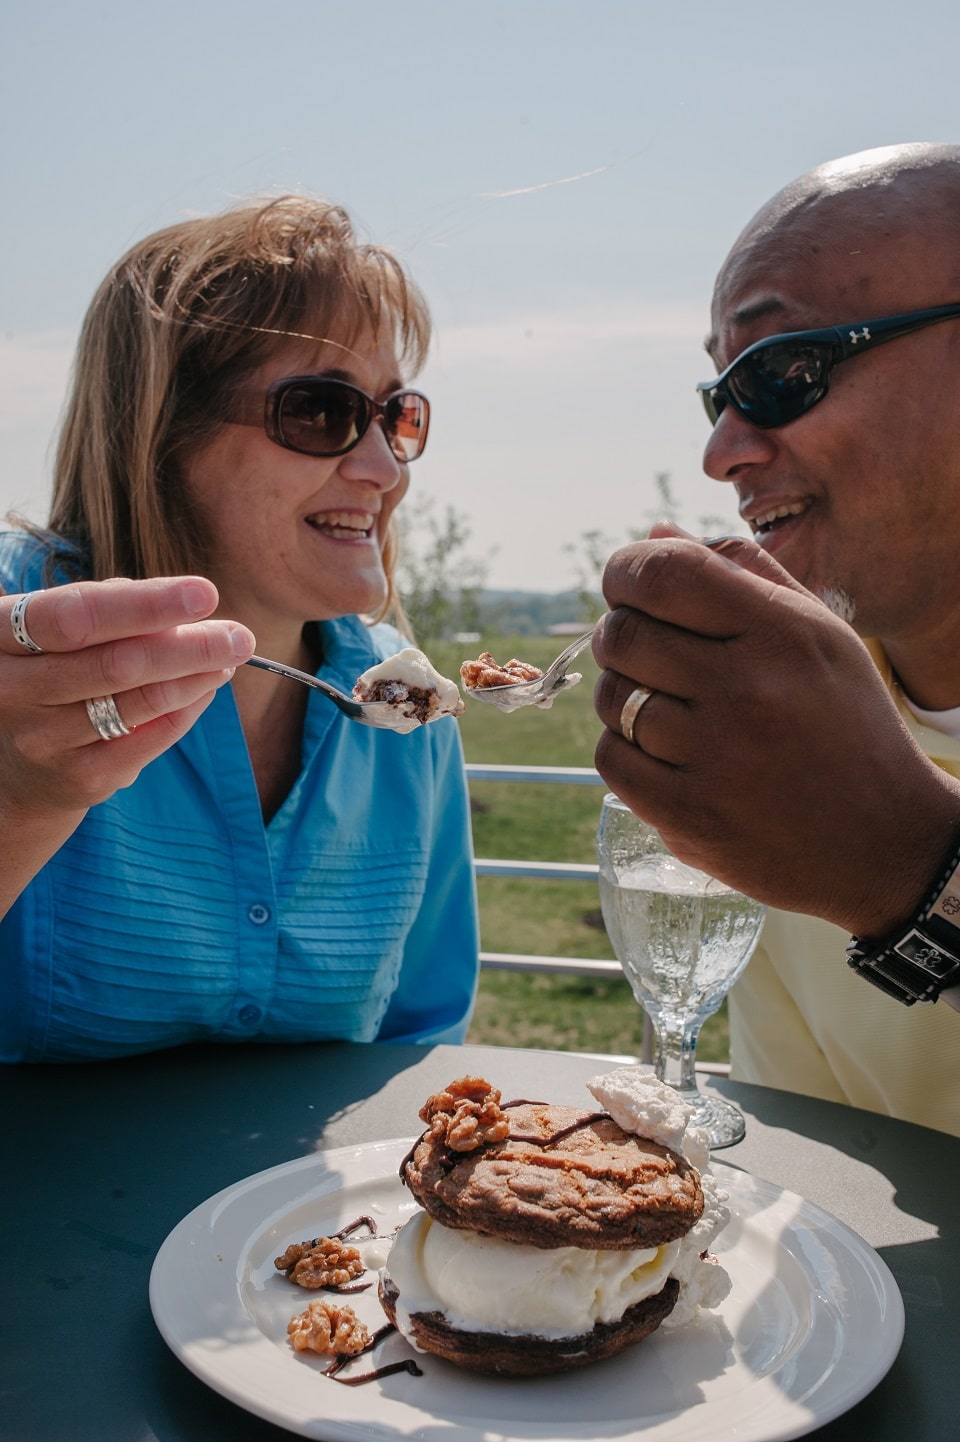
x: 290, y: 538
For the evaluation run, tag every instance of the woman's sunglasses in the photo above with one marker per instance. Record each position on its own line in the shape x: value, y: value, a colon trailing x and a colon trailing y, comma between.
x: 320, y: 416
x: 778, y: 379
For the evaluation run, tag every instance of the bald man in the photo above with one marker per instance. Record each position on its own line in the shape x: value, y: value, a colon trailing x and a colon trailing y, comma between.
x: 788, y: 713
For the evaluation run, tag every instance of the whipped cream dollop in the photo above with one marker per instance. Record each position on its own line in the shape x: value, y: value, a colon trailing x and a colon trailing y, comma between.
x: 640, y: 1103
x: 482, y: 1284
x: 412, y: 669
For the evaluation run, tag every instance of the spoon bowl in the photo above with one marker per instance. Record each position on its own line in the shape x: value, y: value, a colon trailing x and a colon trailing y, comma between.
x: 555, y: 679
x: 368, y: 713
x: 540, y: 692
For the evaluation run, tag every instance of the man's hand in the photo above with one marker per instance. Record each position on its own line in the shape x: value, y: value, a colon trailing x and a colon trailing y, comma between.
x: 770, y: 753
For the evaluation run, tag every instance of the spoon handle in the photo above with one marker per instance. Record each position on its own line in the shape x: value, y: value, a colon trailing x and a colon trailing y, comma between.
x: 346, y: 704
x: 567, y: 655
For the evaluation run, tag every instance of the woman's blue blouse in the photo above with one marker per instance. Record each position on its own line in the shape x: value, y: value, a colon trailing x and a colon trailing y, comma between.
x: 173, y: 914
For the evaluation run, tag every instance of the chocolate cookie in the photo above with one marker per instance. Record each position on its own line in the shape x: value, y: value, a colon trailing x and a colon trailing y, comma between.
x: 528, y: 1355
x: 558, y: 1177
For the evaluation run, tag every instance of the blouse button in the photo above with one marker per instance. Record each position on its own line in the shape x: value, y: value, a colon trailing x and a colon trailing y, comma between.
x: 258, y: 913
x: 249, y: 1014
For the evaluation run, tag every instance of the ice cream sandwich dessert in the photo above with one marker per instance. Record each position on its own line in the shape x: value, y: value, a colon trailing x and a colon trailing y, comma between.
x: 412, y: 684
x: 552, y: 1236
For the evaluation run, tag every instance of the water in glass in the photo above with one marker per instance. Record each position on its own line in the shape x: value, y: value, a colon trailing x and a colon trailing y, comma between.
x: 682, y: 939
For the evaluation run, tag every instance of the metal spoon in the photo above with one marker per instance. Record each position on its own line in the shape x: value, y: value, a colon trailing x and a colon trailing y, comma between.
x: 368, y: 713
x: 506, y: 698
x: 539, y: 692
x: 555, y: 679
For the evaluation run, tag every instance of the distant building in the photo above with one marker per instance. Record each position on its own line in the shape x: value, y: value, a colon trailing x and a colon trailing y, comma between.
x: 566, y: 628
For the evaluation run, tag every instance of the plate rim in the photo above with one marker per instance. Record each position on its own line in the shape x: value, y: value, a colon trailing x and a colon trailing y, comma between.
x: 326, y: 1163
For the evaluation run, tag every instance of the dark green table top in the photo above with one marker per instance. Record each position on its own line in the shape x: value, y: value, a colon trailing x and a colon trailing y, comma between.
x: 101, y: 1161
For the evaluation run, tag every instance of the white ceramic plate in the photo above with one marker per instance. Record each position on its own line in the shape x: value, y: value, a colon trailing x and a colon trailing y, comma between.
x: 813, y: 1321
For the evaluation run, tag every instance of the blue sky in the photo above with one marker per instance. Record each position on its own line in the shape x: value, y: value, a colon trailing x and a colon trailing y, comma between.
x: 563, y: 177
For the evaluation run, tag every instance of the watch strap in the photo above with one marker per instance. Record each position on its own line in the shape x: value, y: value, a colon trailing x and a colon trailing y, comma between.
x: 922, y: 958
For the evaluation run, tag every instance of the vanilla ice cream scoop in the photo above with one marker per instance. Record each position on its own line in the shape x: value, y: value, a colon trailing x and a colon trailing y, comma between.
x: 642, y: 1104
x: 483, y: 1284
x: 410, y: 682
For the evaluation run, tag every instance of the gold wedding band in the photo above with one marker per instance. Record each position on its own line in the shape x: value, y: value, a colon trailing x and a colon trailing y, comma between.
x: 105, y: 718
x: 632, y: 707
x: 18, y: 625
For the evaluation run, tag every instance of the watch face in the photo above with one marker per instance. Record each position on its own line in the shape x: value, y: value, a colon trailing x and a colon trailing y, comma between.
x: 922, y: 952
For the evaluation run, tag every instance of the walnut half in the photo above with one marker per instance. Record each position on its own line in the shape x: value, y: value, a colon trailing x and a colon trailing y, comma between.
x: 324, y: 1262
x: 466, y: 1115
x: 330, y: 1328
x: 485, y: 672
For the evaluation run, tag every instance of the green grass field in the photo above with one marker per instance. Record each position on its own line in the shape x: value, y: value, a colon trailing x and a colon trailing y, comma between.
x: 523, y: 822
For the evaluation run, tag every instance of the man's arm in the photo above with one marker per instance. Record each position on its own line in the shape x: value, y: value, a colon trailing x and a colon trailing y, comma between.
x: 770, y: 754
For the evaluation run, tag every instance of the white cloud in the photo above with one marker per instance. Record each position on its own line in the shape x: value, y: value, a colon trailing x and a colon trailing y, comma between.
x: 551, y: 339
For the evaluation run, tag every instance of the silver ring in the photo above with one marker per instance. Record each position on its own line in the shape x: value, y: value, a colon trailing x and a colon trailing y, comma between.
x: 105, y: 718
x: 18, y: 625
x: 631, y: 710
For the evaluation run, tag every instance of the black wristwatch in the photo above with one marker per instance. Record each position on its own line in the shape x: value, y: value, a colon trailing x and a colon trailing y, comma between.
x: 922, y: 958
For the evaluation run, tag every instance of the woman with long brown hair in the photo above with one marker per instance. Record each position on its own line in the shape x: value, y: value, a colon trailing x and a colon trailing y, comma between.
x: 194, y: 848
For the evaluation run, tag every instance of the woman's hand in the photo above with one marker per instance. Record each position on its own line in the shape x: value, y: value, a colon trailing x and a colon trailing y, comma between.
x: 151, y: 645
x: 770, y: 753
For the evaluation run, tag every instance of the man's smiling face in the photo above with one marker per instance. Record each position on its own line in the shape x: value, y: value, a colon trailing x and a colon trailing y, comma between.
x: 861, y: 494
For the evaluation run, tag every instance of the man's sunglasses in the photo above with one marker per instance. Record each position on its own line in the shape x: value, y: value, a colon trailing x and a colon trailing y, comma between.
x: 320, y: 416
x: 778, y: 379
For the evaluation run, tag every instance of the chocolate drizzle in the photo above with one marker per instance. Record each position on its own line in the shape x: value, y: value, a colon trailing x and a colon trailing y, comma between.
x: 345, y: 1289
x: 357, y: 1379
x: 409, y: 1158
x: 344, y: 1232
x: 363, y: 1221
x: 557, y: 1136
x: 449, y: 1160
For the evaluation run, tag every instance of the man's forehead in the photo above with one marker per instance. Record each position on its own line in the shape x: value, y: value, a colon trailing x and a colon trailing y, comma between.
x: 750, y: 310
x: 833, y: 261
x: 765, y: 288
x: 855, y: 220
x: 850, y: 228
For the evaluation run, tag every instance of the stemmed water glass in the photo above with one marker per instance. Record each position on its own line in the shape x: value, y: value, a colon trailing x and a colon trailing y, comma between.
x: 682, y: 939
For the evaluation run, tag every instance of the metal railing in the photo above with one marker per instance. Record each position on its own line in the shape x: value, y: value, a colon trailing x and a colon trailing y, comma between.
x: 555, y: 871
x: 541, y: 871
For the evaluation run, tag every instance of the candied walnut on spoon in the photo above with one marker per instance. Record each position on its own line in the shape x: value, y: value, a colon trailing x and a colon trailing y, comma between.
x: 518, y: 683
